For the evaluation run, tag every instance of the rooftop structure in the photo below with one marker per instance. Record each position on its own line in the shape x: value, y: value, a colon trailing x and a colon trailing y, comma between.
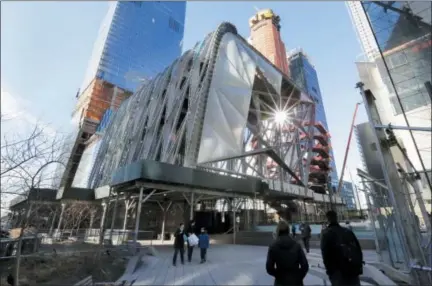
x: 265, y: 37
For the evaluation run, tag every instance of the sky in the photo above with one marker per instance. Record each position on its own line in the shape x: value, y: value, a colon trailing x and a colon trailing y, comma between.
x: 45, y: 48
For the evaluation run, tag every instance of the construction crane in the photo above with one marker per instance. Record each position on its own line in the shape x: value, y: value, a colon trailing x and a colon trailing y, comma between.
x: 347, y: 148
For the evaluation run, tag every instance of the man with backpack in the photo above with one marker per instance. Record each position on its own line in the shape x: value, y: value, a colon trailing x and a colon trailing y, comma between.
x: 286, y: 261
x: 341, y: 252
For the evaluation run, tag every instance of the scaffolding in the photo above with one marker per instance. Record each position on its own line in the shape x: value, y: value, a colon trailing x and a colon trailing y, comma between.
x: 400, y: 240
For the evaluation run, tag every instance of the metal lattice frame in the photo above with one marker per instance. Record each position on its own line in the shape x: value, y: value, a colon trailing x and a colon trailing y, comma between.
x: 165, y: 118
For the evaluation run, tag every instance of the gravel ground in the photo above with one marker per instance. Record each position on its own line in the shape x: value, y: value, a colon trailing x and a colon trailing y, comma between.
x: 67, y: 269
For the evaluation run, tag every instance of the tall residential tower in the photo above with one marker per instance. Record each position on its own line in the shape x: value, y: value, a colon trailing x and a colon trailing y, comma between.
x: 266, y: 38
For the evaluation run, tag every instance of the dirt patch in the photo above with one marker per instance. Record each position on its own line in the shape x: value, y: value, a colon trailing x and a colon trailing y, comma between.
x: 66, y: 270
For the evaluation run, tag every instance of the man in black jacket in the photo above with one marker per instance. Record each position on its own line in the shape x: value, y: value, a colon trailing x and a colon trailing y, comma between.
x: 190, y: 230
x: 179, y: 244
x: 341, y: 252
x: 286, y: 261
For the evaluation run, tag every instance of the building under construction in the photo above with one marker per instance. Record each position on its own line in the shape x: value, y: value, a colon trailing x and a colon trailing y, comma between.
x: 322, y: 166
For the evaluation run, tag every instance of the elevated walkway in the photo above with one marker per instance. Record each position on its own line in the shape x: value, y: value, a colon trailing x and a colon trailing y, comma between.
x: 157, y: 175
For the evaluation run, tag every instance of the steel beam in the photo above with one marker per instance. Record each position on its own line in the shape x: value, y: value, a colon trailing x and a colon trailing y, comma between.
x: 412, y: 128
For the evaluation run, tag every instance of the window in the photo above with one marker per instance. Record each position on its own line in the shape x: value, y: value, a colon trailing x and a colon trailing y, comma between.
x: 174, y: 25
x: 396, y: 60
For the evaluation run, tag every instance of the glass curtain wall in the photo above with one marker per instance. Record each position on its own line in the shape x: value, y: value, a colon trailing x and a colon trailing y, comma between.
x: 403, y: 34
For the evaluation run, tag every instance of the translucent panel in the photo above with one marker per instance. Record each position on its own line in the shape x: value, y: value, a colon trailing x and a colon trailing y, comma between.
x: 228, y: 102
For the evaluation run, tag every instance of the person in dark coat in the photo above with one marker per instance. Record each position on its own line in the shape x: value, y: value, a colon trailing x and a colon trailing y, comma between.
x: 286, y: 261
x: 306, y: 233
x: 342, y: 254
x: 179, y: 244
x: 204, y: 244
x: 190, y: 230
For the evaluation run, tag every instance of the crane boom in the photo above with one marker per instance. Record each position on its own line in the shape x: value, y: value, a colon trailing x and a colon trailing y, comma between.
x: 347, y: 148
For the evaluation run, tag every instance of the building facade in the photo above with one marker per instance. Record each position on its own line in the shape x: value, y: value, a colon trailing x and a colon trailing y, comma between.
x: 136, y: 41
x: 347, y: 193
x: 402, y: 31
x: 303, y: 73
x: 362, y: 29
x: 266, y: 38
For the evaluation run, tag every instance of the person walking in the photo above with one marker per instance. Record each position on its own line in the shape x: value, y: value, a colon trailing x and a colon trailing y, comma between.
x: 190, y: 230
x: 306, y: 233
x: 286, y: 261
x: 203, y: 244
x: 342, y: 254
x: 179, y: 244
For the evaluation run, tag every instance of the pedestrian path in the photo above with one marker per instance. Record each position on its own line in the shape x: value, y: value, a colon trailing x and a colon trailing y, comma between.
x: 226, y: 265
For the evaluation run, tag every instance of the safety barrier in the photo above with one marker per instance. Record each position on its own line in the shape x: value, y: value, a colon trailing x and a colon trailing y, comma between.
x: 9, y: 246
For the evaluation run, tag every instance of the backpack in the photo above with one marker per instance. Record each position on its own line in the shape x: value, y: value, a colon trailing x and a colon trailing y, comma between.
x: 351, y: 262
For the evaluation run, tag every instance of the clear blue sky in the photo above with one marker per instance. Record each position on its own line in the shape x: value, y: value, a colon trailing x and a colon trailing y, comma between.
x: 45, y: 47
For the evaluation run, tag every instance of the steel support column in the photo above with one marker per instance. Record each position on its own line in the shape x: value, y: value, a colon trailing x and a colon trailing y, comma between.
x: 113, y: 218
x: 52, y: 224
x: 102, y: 222
x: 192, y: 206
x: 141, y: 200
x: 164, y: 213
x: 395, y: 191
x: 63, y: 205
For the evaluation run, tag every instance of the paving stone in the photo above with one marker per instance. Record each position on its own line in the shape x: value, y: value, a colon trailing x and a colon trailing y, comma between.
x: 226, y: 265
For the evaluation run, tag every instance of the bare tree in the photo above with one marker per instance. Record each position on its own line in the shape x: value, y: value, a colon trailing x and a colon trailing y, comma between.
x: 77, y: 215
x: 27, y: 164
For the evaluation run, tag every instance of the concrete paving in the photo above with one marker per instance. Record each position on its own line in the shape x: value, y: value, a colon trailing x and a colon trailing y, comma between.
x: 226, y: 265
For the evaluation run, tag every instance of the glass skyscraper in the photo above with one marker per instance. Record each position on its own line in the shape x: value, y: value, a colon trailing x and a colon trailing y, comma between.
x: 402, y: 31
x: 303, y: 73
x: 136, y: 41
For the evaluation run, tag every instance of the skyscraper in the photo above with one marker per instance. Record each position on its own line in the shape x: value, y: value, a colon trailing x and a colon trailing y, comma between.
x: 265, y: 37
x: 136, y: 41
x: 363, y: 29
x: 303, y: 73
x: 347, y: 193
